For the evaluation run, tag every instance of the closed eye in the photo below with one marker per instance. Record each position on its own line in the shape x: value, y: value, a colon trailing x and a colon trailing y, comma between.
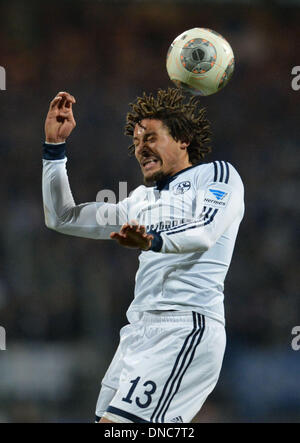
x: 150, y: 138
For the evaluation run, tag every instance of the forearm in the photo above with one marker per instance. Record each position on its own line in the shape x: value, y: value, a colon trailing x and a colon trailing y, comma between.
x: 201, y: 234
x: 185, y: 239
x: 89, y: 220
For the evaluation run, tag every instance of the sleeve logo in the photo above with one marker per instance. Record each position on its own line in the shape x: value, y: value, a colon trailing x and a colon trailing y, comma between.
x: 218, y: 194
x: 216, y: 198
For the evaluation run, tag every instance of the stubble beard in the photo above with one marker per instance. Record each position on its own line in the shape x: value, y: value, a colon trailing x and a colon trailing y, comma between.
x: 156, y: 177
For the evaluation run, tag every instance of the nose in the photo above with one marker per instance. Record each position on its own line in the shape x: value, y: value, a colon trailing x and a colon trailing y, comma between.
x: 142, y: 149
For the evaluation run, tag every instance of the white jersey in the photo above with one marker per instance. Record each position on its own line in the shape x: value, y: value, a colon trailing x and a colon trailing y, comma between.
x: 194, y: 216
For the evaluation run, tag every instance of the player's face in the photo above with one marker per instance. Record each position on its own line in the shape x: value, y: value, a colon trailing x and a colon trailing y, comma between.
x: 157, y: 152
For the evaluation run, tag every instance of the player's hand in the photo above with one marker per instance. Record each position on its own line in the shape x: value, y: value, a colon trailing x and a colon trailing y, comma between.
x: 60, y: 120
x: 133, y: 236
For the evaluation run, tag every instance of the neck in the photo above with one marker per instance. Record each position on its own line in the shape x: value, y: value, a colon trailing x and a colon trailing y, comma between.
x: 186, y: 164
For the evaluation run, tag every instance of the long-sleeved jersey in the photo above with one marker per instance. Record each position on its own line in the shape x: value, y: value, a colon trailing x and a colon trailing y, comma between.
x: 194, y: 216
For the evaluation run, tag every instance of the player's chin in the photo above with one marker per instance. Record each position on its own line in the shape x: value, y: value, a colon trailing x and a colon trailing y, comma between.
x: 151, y: 175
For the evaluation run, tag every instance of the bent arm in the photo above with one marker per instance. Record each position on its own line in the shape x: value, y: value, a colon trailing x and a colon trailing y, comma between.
x: 91, y: 220
x: 201, y: 234
x: 223, y: 204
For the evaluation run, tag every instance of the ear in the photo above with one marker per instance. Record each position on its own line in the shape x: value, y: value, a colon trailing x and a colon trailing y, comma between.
x: 184, y: 145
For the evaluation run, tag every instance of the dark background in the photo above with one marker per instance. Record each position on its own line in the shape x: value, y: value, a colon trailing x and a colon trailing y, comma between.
x: 64, y: 299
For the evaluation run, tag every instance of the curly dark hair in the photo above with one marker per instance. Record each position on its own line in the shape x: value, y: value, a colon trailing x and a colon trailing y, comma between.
x: 185, y: 121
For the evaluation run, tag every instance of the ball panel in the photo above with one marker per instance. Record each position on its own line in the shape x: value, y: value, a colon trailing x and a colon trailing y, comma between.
x: 228, y: 72
x: 174, y: 66
x: 207, y: 83
x: 198, y: 55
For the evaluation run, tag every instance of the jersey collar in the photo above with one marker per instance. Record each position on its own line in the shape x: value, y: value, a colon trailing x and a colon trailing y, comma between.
x: 165, y: 182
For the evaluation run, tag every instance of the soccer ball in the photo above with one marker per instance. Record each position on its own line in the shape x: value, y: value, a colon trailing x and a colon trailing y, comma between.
x: 200, y: 61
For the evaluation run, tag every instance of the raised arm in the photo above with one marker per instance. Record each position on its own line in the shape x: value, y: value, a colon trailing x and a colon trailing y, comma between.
x: 92, y: 220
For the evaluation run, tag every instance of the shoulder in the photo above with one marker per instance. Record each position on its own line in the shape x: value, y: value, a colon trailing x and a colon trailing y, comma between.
x: 137, y: 193
x: 218, y: 171
x: 133, y: 196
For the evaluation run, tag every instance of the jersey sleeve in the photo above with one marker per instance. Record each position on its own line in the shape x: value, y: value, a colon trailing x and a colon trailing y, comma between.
x: 221, y: 194
x: 91, y: 220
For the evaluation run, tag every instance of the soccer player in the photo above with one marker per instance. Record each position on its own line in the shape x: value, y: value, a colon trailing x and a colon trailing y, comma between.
x: 184, y: 220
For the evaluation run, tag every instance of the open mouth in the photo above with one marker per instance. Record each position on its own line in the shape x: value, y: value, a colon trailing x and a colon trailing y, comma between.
x: 149, y: 163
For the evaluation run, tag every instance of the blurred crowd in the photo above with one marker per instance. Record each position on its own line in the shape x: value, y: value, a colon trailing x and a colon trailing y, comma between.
x: 63, y: 299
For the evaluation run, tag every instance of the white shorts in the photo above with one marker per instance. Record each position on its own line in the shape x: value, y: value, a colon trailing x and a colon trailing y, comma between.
x: 166, y: 365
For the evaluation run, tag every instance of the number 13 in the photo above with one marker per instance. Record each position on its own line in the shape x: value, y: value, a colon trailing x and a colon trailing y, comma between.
x: 148, y: 393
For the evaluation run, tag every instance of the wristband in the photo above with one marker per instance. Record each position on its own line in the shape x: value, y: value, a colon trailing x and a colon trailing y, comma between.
x: 157, y: 241
x: 54, y: 151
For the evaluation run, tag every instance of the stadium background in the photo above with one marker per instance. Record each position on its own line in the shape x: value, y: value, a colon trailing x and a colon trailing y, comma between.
x: 63, y: 299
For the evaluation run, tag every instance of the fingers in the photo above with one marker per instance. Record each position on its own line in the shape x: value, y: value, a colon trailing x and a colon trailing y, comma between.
x: 62, y: 100
x: 65, y: 104
x: 62, y: 106
x: 121, y: 239
x: 143, y: 230
x: 133, y: 227
x: 139, y: 229
x: 117, y: 236
x: 124, y: 228
x: 66, y: 96
x: 54, y: 103
x: 130, y: 240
